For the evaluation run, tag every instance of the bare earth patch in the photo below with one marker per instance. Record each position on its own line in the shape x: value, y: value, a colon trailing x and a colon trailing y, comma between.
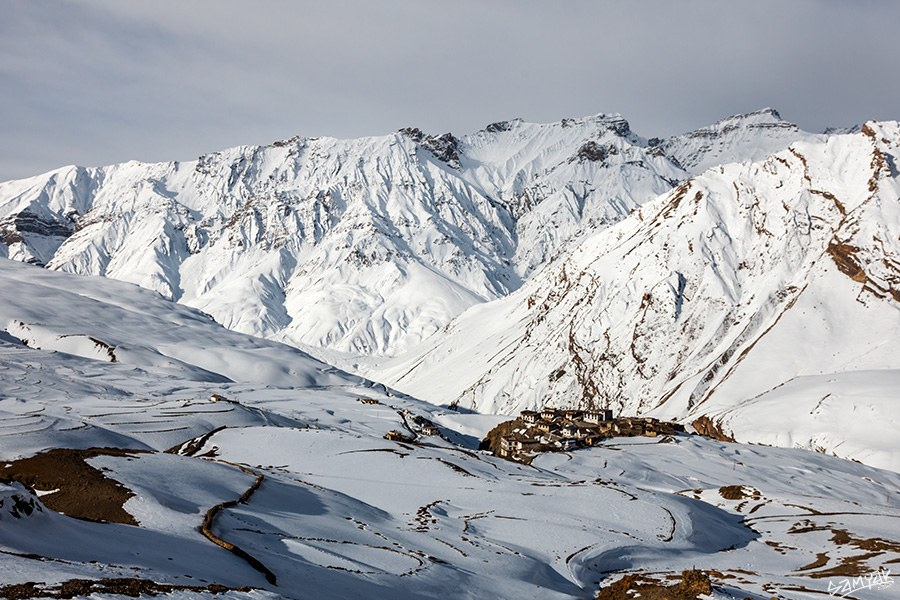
x: 84, y: 587
x: 693, y: 584
x: 706, y: 426
x: 82, y: 491
x: 738, y: 492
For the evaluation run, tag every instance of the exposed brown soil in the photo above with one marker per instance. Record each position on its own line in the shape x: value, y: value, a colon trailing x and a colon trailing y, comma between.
x: 847, y: 566
x: 22, y: 590
x: 738, y: 492
x: 693, y: 584
x: 842, y: 536
x: 844, y: 256
x: 453, y: 466
x: 878, y: 160
x: 191, y: 447
x: 821, y: 561
x: 110, y: 350
x: 424, y: 519
x: 830, y: 196
x: 706, y: 426
x: 850, y: 566
x: 84, y: 492
x: 856, y: 565
x: 130, y: 587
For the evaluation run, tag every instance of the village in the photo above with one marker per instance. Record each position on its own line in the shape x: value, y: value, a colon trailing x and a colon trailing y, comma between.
x: 554, y: 430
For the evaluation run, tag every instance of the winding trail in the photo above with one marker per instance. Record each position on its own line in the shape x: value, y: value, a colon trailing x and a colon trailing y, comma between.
x: 206, y: 528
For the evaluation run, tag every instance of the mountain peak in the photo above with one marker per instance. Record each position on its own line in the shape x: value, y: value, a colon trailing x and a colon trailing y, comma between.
x: 748, y: 136
x: 444, y: 147
x: 501, y: 126
x: 763, y: 115
x: 766, y: 117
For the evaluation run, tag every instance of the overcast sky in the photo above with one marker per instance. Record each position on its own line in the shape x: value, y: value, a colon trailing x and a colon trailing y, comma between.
x: 95, y: 82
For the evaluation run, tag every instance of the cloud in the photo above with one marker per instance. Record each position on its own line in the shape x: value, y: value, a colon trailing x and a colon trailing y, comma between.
x: 101, y: 81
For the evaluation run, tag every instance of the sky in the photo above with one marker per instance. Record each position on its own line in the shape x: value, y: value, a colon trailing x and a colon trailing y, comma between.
x: 95, y: 82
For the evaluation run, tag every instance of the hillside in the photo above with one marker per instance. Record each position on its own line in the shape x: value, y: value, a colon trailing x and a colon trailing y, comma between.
x: 156, y: 474
x: 755, y: 294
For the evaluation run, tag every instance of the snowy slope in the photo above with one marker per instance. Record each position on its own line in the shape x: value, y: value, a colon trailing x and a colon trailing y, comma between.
x: 364, y: 246
x: 114, y: 322
x: 331, y: 509
x: 564, y: 179
x: 343, y: 513
x: 706, y: 301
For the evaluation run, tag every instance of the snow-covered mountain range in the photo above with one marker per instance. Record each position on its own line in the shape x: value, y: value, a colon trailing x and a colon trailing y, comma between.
x: 744, y: 278
x: 572, y: 263
x: 366, y: 246
x: 731, y: 297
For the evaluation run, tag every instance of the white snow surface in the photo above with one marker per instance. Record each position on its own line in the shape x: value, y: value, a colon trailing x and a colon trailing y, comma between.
x: 754, y: 294
x: 344, y: 513
x: 107, y: 320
